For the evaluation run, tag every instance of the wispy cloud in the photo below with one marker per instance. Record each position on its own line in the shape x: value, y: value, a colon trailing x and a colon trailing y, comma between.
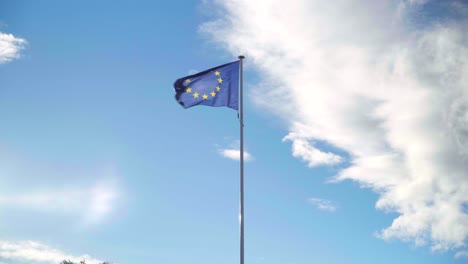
x: 304, y: 149
x: 10, y: 47
x: 322, y: 204
x: 233, y: 152
x: 93, y: 203
x: 192, y: 71
x: 461, y: 254
x: 88, y: 195
x: 372, y: 79
x: 36, y: 252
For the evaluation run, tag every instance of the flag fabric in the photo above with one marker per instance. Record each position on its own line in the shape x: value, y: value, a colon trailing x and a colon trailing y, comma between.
x: 217, y: 86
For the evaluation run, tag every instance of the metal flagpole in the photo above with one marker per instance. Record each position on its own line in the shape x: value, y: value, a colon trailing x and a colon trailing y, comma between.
x: 241, y: 118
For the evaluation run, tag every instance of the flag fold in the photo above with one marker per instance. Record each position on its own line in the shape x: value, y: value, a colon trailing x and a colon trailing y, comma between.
x: 217, y: 86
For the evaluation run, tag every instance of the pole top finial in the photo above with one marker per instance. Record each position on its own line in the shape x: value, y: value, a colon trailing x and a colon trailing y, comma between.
x: 241, y: 57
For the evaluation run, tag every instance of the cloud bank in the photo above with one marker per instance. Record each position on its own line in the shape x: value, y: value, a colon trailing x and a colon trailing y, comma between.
x: 384, y: 81
x: 35, y: 252
x: 10, y: 47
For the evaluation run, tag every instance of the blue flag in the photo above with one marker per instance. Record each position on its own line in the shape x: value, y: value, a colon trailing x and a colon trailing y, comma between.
x: 217, y: 86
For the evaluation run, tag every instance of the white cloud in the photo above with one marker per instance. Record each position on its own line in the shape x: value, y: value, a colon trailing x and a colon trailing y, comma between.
x: 323, y: 204
x: 302, y: 148
x: 88, y: 195
x: 32, y: 251
x: 93, y: 203
x: 10, y: 47
x: 359, y: 77
x: 233, y: 152
x: 461, y: 254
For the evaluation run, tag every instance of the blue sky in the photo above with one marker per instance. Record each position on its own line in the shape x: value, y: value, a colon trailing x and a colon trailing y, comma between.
x: 356, y: 121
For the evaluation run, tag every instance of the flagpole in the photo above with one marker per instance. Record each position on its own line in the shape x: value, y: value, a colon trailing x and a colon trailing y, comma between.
x: 241, y: 118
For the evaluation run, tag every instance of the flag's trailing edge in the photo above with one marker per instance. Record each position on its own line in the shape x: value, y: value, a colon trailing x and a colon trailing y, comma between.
x: 217, y: 86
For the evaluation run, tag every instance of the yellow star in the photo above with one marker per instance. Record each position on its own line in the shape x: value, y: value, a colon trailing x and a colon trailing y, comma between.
x: 213, y: 94
x: 188, y: 90
x: 187, y: 81
x: 217, y: 73
x: 218, y: 88
x: 195, y: 95
x: 205, y: 96
x: 220, y: 80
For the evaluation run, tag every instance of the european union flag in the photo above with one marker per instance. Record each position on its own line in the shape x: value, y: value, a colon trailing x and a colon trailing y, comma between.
x: 217, y: 86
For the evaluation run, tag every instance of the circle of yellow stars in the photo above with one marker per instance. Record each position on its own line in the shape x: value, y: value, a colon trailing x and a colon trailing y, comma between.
x: 205, y: 96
